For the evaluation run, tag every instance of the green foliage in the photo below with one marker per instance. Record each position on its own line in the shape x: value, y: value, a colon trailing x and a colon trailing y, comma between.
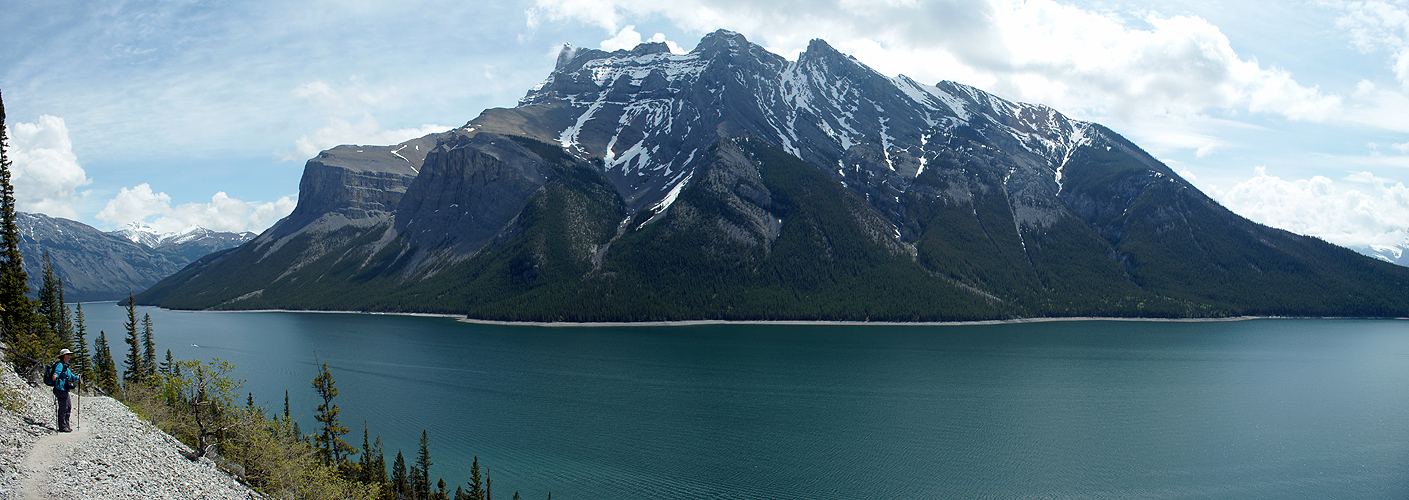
x: 133, y: 369
x: 104, y: 369
x: 421, y: 472
x: 199, y: 409
x: 149, y: 348
x: 331, y: 448
x: 82, y: 357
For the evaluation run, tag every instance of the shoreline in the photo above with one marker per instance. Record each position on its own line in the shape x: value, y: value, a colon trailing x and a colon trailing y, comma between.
x: 702, y: 322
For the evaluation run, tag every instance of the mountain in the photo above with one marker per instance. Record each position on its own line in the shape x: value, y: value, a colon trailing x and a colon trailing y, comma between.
x: 1387, y: 253
x: 190, y: 243
x: 95, y: 265
x: 731, y: 183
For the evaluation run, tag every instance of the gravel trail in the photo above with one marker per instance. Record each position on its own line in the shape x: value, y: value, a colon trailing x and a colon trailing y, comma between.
x: 112, y: 454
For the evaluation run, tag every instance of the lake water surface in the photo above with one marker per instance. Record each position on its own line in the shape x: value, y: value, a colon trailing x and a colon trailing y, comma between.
x: 1274, y: 408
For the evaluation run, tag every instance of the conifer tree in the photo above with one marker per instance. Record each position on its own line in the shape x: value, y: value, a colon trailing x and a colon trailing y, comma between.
x: 364, y: 464
x: 49, y: 305
x: 331, y: 447
x: 104, y: 366
x: 460, y: 494
x: 82, y: 359
x: 421, y: 477
x: 132, y: 367
x: 168, y: 367
x: 16, y: 310
x: 476, y: 491
x: 440, y: 490
x: 398, y: 477
x: 149, y: 348
x: 379, y: 466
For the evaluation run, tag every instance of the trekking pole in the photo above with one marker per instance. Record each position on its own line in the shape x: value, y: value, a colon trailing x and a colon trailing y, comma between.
x: 78, y: 408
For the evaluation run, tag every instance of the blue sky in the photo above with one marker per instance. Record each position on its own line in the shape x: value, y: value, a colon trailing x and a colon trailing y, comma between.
x: 172, y: 112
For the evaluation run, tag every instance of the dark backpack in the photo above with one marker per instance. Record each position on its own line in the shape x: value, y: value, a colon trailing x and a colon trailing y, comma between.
x: 49, y: 374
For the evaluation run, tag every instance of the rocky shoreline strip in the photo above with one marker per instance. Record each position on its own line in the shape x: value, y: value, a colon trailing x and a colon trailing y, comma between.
x: 112, y: 453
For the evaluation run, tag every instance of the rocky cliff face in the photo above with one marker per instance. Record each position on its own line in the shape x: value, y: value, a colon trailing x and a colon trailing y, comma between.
x: 993, y: 208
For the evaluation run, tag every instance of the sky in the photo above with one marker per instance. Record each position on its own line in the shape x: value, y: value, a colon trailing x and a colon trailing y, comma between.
x: 175, y: 113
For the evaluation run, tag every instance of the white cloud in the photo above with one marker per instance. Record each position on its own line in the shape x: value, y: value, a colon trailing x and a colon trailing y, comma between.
x: 1025, y: 49
x: 45, y: 171
x: 349, y: 120
x: 363, y: 131
x: 628, y: 39
x: 1379, y: 26
x: 1403, y: 148
x: 1342, y: 214
x: 223, y: 213
x: 1089, y: 64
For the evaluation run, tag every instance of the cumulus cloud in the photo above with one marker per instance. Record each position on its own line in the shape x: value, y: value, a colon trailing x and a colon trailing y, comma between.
x: 1362, y: 210
x: 1035, y: 50
x: 348, y: 118
x: 1379, y: 26
x: 628, y: 39
x: 45, y: 171
x: 140, y: 204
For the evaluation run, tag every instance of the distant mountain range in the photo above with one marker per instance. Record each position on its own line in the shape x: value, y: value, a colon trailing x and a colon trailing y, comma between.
x: 731, y: 183
x: 97, y: 265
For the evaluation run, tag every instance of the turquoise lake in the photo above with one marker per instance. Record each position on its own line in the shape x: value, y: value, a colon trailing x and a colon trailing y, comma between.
x: 1268, y: 408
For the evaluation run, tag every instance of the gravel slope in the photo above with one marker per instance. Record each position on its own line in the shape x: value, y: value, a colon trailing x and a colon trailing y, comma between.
x: 111, y: 454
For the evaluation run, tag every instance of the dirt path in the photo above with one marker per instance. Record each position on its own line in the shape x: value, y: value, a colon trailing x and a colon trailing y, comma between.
x: 47, y: 453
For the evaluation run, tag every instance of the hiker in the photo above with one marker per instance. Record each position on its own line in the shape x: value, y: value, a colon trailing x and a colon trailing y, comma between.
x: 64, y: 379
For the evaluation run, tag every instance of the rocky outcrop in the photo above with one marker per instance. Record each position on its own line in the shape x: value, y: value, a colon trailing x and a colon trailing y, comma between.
x: 469, y: 188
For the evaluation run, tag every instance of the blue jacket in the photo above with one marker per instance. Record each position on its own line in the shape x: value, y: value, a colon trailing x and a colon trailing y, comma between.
x: 64, y: 375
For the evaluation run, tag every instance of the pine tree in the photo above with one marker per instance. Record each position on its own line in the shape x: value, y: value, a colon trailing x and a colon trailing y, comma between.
x: 133, y: 368
x: 398, y: 476
x: 149, y: 347
x: 364, y: 464
x: 169, y: 366
x: 331, y: 447
x: 104, y: 366
x: 440, y: 490
x: 476, y: 491
x: 421, y: 477
x: 49, y: 306
x: 65, y: 319
x: 379, y: 466
x: 516, y: 496
x: 82, y: 360
x: 16, y: 309
x: 488, y: 485
x: 460, y: 494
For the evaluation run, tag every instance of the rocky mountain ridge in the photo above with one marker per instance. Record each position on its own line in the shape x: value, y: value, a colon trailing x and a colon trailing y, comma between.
x: 97, y: 265
x: 645, y: 175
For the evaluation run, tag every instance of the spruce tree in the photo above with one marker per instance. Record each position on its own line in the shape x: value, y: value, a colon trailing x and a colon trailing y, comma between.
x: 104, y: 366
x: 169, y: 366
x: 364, y: 464
x: 65, y: 319
x: 149, y: 348
x: 398, y: 476
x: 422, y: 475
x: 331, y: 447
x: 82, y: 359
x: 460, y: 494
x: 49, y: 306
x: 440, y: 490
x: 476, y: 491
x: 379, y: 466
x: 133, y: 368
x: 16, y: 309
